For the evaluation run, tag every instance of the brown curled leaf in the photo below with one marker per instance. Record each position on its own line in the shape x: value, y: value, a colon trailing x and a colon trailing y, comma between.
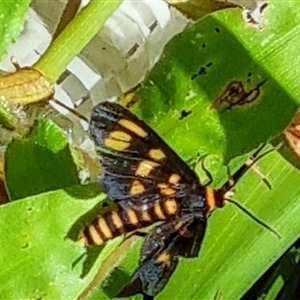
x: 25, y: 86
x: 253, y: 10
x: 196, y: 9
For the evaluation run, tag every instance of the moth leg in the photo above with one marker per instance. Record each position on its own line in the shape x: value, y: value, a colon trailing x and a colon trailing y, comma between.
x: 200, y: 159
x: 137, y: 233
x: 206, y: 171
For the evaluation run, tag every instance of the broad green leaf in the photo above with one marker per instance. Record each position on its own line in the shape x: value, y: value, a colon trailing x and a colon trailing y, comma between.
x: 197, y: 66
x: 12, y: 15
x: 40, y: 162
x: 233, y: 245
x: 23, y: 87
x: 40, y: 261
x: 281, y: 281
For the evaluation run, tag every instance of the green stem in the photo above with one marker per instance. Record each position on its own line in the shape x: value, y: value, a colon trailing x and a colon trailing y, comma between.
x: 75, y: 37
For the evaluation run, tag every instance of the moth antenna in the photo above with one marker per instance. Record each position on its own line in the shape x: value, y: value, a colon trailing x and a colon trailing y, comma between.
x: 249, y: 165
x: 206, y: 171
x: 256, y: 219
x: 71, y: 110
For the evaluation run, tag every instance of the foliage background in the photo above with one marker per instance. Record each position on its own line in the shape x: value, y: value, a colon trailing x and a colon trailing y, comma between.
x: 38, y: 231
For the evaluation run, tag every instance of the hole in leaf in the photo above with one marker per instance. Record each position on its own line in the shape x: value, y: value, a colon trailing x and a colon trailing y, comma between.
x: 202, y: 71
x: 184, y: 114
x: 104, y: 204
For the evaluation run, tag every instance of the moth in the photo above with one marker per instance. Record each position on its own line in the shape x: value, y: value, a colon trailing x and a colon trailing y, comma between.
x: 150, y: 184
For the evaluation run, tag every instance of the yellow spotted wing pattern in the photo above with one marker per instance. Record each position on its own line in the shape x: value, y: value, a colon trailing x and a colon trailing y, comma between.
x: 139, y: 167
x: 150, y: 183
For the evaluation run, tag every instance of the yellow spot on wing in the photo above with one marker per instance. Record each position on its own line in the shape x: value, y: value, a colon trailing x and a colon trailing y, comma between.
x: 105, y: 228
x: 163, y: 185
x: 168, y: 192
x: 95, y: 236
x: 164, y: 258
x: 145, y: 167
x: 136, y: 188
x: 174, y: 178
x: 133, y: 127
x: 157, y: 154
x: 120, y: 135
x: 115, y: 144
x: 171, y: 206
x: 132, y: 217
x: 165, y: 189
x: 178, y: 225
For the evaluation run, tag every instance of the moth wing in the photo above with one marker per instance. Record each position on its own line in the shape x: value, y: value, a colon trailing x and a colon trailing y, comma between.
x: 152, y: 276
x: 160, y: 253
x: 135, y: 159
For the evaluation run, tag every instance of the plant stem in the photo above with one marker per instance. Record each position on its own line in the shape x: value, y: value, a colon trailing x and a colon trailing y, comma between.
x: 75, y: 37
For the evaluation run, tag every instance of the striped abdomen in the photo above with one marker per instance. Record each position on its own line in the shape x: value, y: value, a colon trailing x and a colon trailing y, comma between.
x: 114, y: 223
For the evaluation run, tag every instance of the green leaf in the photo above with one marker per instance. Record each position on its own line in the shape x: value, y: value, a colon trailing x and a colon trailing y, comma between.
x: 281, y: 281
x: 38, y: 257
x: 12, y: 15
x: 236, y: 251
x: 40, y: 162
x: 7, y: 119
x: 197, y: 66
